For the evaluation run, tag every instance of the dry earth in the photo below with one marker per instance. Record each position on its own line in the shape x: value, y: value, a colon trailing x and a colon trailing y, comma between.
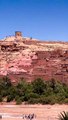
x: 41, y: 112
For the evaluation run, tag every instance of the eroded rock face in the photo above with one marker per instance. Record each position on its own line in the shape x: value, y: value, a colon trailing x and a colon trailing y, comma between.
x: 30, y: 59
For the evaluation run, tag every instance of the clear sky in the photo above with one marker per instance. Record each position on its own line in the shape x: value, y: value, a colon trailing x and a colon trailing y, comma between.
x: 40, y: 19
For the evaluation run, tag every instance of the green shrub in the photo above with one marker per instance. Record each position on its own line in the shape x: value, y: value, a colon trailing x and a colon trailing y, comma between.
x: 66, y: 101
x: 21, y: 88
x: 47, y: 100
x: 10, y: 98
x: 18, y: 100
x: 1, y: 99
x: 3, y: 93
x: 38, y: 91
x: 33, y: 101
x: 5, y: 82
x: 12, y: 91
x: 38, y: 86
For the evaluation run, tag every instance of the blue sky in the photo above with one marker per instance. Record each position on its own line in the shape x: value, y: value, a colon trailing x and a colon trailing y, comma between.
x: 40, y: 19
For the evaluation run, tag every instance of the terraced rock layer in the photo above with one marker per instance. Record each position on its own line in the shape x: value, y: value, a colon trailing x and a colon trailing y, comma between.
x: 30, y: 59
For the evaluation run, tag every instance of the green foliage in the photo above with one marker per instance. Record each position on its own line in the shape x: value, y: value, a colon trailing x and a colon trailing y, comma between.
x: 38, y: 91
x: 1, y: 99
x: 5, y: 82
x: 63, y: 116
x: 18, y: 100
x: 33, y: 101
x: 21, y: 87
x: 10, y: 98
x: 38, y: 86
x: 12, y: 92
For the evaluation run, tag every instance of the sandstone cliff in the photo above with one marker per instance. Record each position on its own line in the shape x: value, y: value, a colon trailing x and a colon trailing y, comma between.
x: 30, y: 58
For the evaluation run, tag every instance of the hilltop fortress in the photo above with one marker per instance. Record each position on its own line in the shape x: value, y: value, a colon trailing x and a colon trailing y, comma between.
x: 15, y: 41
x: 19, y: 40
x: 30, y: 58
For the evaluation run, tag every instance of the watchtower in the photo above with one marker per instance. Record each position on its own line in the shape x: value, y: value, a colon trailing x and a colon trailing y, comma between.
x: 18, y: 34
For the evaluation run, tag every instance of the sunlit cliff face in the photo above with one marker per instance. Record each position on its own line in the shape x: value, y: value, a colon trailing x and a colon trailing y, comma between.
x: 30, y: 58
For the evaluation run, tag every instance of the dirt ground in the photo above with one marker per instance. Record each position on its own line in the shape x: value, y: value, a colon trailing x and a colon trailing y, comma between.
x: 40, y: 112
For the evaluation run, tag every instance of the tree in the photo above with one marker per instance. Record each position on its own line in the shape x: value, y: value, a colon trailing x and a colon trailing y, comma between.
x: 5, y: 82
x: 21, y: 87
x: 38, y: 86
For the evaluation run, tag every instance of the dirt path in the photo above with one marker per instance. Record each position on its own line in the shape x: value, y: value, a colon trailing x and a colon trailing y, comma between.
x: 41, y: 112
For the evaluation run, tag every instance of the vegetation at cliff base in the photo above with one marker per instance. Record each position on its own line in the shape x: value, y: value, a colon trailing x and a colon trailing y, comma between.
x: 38, y: 91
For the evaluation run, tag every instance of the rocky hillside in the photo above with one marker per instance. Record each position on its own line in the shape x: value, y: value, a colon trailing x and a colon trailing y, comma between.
x: 30, y: 58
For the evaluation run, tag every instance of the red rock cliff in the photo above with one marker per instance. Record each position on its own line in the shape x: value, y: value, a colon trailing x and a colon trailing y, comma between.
x: 30, y: 58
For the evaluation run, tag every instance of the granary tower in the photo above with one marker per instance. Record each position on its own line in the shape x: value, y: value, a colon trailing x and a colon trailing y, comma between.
x: 18, y: 35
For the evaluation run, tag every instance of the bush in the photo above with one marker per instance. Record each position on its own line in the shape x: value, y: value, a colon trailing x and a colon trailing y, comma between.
x: 10, y: 98
x: 33, y: 101
x: 47, y: 100
x: 18, y: 100
x: 1, y: 99
x: 5, y: 82
x: 38, y: 91
x: 21, y: 88
x: 66, y: 101
x: 3, y: 93
x: 38, y: 86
